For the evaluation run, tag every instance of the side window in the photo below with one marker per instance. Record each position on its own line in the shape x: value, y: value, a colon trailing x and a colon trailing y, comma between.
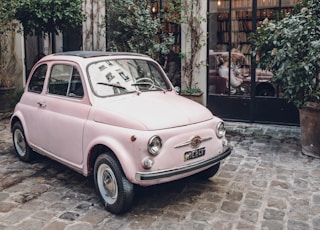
x: 37, y: 79
x: 65, y: 80
x: 76, y: 88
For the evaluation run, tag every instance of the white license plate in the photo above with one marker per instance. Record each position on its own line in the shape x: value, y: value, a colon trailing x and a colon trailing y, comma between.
x: 194, y: 154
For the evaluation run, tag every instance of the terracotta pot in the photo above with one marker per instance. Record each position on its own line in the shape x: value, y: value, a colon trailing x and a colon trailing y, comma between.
x: 310, y: 129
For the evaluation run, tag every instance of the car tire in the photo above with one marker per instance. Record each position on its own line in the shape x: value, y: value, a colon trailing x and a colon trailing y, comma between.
x: 115, y: 191
x: 22, y: 148
x: 210, y: 172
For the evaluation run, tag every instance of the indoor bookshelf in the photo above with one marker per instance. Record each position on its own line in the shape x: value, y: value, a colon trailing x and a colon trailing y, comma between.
x: 241, y: 21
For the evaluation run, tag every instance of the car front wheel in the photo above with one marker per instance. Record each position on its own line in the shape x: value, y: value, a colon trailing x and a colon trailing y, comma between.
x: 115, y: 191
x: 23, y: 150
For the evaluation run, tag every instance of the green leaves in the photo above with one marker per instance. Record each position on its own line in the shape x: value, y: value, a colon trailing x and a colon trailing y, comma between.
x: 134, y: 28
x: 290, y: 48
x: 48, y: 16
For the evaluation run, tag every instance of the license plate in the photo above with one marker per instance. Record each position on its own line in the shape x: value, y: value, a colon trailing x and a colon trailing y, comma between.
x: 194, y: 154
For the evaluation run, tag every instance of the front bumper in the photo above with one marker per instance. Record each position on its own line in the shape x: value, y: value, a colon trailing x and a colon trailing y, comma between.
x: 165, y: 174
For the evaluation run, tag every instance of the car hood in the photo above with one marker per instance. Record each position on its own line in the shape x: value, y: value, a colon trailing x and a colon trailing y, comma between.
x: 149, y: 111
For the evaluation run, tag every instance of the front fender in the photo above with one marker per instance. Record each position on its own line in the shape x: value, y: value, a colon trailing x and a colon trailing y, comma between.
x: 121, y: 149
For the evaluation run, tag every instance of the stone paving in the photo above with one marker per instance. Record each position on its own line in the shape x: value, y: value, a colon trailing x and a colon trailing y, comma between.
x: 265, y: 184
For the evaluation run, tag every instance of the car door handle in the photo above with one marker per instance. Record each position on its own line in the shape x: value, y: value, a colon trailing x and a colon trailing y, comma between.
x: 42, y: 104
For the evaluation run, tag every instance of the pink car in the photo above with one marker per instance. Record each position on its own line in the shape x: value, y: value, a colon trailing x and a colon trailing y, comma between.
x: 117, y: 117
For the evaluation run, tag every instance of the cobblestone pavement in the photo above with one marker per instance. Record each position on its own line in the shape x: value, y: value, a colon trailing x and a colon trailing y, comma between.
x: 265, y: 184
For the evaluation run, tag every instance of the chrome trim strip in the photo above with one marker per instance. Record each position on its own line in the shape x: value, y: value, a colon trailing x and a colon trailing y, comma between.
x: 189, y: 142
x: 149, y: 176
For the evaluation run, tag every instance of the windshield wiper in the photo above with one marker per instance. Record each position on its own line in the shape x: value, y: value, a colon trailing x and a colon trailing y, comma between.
x: 148, y: 84
x: 113, y: 85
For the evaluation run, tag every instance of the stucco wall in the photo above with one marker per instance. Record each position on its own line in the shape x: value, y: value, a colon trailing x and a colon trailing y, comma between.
x: 20, y: 69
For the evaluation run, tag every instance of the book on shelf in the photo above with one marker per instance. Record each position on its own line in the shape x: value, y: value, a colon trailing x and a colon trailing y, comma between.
x: 268, y: 3
x: 242, y: 4
x: 245, y: 48
x: 242, y: 26
x: 223, y: 26
x: 223, y: 37
x: 223, y: 16
x: 240, y: 23
x: 244, y: 14
x: 224, y: 4
x: 222, y: 47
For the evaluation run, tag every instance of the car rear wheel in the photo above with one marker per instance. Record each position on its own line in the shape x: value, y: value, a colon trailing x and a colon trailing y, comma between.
x: 23, y: 150
x: 210, y: 172
x: 115, y: 191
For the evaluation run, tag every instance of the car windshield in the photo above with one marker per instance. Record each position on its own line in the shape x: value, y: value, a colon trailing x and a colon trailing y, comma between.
x: 120, y: 76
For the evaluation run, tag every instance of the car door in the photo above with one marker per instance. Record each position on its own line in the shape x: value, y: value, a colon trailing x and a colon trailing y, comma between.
x: 31, y: 102
x: 64, y: 113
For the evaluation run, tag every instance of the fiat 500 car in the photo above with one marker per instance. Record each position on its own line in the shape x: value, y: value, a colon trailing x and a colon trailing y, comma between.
x: 115, y: 116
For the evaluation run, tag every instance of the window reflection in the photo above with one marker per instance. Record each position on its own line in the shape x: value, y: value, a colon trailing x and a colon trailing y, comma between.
x: 230, y: 26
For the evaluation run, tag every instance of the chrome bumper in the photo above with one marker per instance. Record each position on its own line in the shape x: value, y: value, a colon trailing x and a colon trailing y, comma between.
x: 156, y: 175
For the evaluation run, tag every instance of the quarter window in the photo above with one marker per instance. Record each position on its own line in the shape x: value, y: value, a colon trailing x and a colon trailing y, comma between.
x: 37, y: 79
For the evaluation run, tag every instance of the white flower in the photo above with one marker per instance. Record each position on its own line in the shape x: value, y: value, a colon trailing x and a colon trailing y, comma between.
x: 304, y: 10
x: 265, y: 21
x: 274, y: 51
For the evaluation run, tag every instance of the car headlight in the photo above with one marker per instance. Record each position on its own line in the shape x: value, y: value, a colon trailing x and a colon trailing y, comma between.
x: 154, y: 145
x: 220, y: 130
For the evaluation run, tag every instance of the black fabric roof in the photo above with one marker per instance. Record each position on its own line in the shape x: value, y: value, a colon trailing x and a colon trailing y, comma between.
x: 89, y: 54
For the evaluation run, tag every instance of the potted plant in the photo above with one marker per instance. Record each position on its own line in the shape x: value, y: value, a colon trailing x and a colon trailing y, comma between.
x: 7, y: 66
x: 290, y: 48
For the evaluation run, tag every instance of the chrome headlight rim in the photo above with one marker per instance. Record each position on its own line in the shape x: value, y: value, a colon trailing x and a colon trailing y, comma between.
x: 220, y: 130
x: 154, y: 145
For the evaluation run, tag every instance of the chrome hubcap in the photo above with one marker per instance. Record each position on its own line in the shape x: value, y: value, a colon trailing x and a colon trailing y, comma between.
x: 107, y: 184
x: 19, y: 142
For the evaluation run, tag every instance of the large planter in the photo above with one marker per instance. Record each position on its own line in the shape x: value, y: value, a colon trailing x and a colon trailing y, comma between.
x: 310, y: 129
x: 197, y: 97
x: 6, y: 95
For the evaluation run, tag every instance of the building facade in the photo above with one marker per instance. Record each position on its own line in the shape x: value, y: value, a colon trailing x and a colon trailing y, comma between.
x: 227, y: 28
x: 256, y: 99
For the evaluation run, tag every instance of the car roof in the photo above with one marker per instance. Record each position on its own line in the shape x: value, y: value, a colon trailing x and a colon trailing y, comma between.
x: 85, y: 57
x: 90, y: 54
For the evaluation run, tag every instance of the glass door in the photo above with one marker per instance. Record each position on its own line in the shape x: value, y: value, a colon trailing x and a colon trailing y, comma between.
x: 229, y: 75
x: 238, y: 89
